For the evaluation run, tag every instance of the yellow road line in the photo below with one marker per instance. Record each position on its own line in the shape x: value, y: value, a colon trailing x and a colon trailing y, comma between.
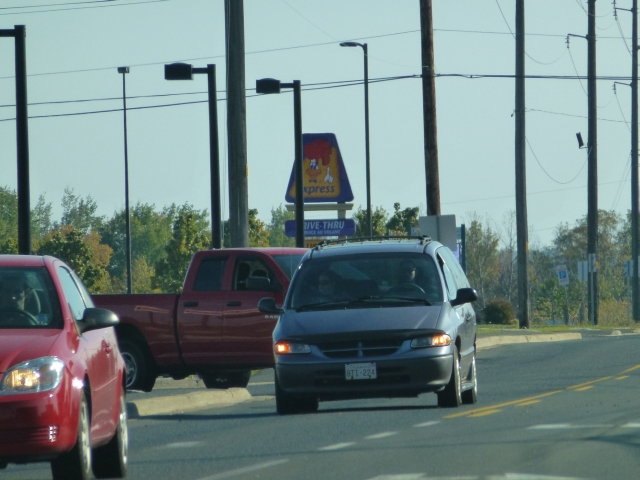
x: 486, y: 412
x: 575, y: 387
x: 632, y: 369
x: 582, y: 389
x: 478, y: 412
x: 500, y: 405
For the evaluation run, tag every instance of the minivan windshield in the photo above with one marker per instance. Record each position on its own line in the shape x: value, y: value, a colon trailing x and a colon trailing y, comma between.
x: 365, y: 280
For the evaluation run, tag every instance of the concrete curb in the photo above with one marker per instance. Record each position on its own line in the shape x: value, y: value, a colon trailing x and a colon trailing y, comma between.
x: 189, y: 401
x: 494, y: 341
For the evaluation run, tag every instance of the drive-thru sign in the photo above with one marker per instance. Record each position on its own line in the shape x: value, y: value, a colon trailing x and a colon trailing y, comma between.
x: 324, y: 176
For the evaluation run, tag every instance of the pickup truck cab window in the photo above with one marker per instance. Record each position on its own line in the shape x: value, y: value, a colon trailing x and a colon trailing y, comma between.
x: 288, y: 263
x: 251, y: 267
x: 210, y: 274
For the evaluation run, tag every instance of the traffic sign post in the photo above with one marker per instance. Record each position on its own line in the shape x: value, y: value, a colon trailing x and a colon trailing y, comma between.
x: 563, y: 281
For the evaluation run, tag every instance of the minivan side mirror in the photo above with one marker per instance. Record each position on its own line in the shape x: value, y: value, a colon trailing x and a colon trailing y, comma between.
x: 464, y: 295
x: 268, y: 305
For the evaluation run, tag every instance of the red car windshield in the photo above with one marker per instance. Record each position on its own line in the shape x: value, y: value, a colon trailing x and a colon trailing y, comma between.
x: 28, y: 299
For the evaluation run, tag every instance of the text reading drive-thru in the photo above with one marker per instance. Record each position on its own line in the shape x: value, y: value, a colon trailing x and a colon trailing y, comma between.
x: 375, y: 318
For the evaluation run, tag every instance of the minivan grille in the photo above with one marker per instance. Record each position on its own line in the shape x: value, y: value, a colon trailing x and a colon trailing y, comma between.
x: 360, y: 348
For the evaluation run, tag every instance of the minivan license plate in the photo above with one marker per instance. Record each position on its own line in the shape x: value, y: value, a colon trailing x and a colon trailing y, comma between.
x: 360, y: 371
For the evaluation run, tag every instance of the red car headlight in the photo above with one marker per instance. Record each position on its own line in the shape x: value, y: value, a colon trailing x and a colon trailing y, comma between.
x: 38, y: 375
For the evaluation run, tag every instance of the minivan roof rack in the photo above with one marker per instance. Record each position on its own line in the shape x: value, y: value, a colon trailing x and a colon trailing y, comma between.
x: 424, y: 239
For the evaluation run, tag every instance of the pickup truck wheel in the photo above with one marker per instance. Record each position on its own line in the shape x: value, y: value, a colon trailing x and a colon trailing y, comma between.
x: 224, y: 380
x: 111, y: 460
x: 76, y: 463
x: 140, y: 371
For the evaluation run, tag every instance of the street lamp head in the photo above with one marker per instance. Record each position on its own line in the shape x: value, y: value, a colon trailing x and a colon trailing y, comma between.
x: 267, y: 85
x: 580, y: 142
x: 178, y: 71
x: 123, y: 69
x: 350, y: 44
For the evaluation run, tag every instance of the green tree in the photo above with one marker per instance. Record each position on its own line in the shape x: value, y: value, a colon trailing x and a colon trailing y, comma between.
x: 277, y: 237
x: 40, y: 217
x: 8, y: 215
x: 78, y: 212
x: 482, y: 259
x: 150, y: 234
x: 73, y: 247
x: 186, y: 240
x: 379, y: 219
x: 402, y: 221
x: 41, y: 221
x: 258, y: 232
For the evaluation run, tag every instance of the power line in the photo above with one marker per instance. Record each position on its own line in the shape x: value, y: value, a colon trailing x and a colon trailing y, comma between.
x: 110, y: 4
x: 54, y: 4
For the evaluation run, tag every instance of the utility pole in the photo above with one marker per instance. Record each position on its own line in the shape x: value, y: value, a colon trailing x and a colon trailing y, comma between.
x: 522, y: 231
x: 429, y: 109
x: 634, y: 165
x: 237, y: 124
x: 592, y: 183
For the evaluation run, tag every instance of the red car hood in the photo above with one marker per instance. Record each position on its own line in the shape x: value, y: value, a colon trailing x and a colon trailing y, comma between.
x: 18, y: 346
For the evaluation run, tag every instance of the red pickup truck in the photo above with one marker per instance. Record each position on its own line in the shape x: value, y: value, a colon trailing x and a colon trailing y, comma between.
x: 213, y: 328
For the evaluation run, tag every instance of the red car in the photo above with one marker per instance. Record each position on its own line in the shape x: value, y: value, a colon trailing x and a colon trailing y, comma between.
x: 62, y: 396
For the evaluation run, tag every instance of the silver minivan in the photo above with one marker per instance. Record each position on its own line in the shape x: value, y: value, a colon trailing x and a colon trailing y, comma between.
x: 375, y: 318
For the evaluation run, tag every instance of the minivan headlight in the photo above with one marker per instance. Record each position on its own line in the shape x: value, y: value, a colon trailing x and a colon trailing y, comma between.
x: 287, y: 348
x: 439, y: 340
x: 33, y: 376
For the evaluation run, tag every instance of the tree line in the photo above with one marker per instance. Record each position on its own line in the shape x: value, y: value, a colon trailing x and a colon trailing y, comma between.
x: 163, y: 241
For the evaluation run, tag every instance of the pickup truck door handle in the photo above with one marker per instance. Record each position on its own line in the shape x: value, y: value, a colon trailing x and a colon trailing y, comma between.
x: 190, y: 304
x: 234, y: 304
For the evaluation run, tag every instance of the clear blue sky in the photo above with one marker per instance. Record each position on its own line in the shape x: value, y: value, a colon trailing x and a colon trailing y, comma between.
x: 74, y: 48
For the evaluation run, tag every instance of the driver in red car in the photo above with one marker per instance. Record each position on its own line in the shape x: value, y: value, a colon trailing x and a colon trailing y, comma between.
x: 15, y: 293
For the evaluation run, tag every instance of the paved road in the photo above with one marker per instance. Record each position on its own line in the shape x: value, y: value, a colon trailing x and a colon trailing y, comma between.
x: 546, y: 411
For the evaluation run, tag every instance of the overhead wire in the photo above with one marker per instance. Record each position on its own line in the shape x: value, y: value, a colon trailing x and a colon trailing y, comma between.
x: 547, y: 173
x: 108, y: 4
x: 512, y: 34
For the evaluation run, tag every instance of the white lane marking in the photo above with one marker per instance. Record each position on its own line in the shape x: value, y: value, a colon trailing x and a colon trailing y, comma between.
x: 566, y: 426
x: 426, y: 424
x: 380, y: 435
x: 631, y: 425
x: 337, y: 446
x: 252, y: 384
x: 245, y: 470
x: 182, y: 444
x: 530, y: 476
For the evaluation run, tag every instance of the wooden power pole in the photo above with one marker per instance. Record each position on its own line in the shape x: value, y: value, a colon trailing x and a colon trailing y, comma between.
x: 522, y: 230
x: 429, y: 110
x: 592, y: 162
x: 634, y: 165
x: 237, y: 124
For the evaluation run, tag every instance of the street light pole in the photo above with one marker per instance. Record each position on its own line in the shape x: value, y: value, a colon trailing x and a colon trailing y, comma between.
x: 185, y: 71
x: 22, y: 138
x: 124, y: 71
x: 271, y: 85
x: 366, y: 129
